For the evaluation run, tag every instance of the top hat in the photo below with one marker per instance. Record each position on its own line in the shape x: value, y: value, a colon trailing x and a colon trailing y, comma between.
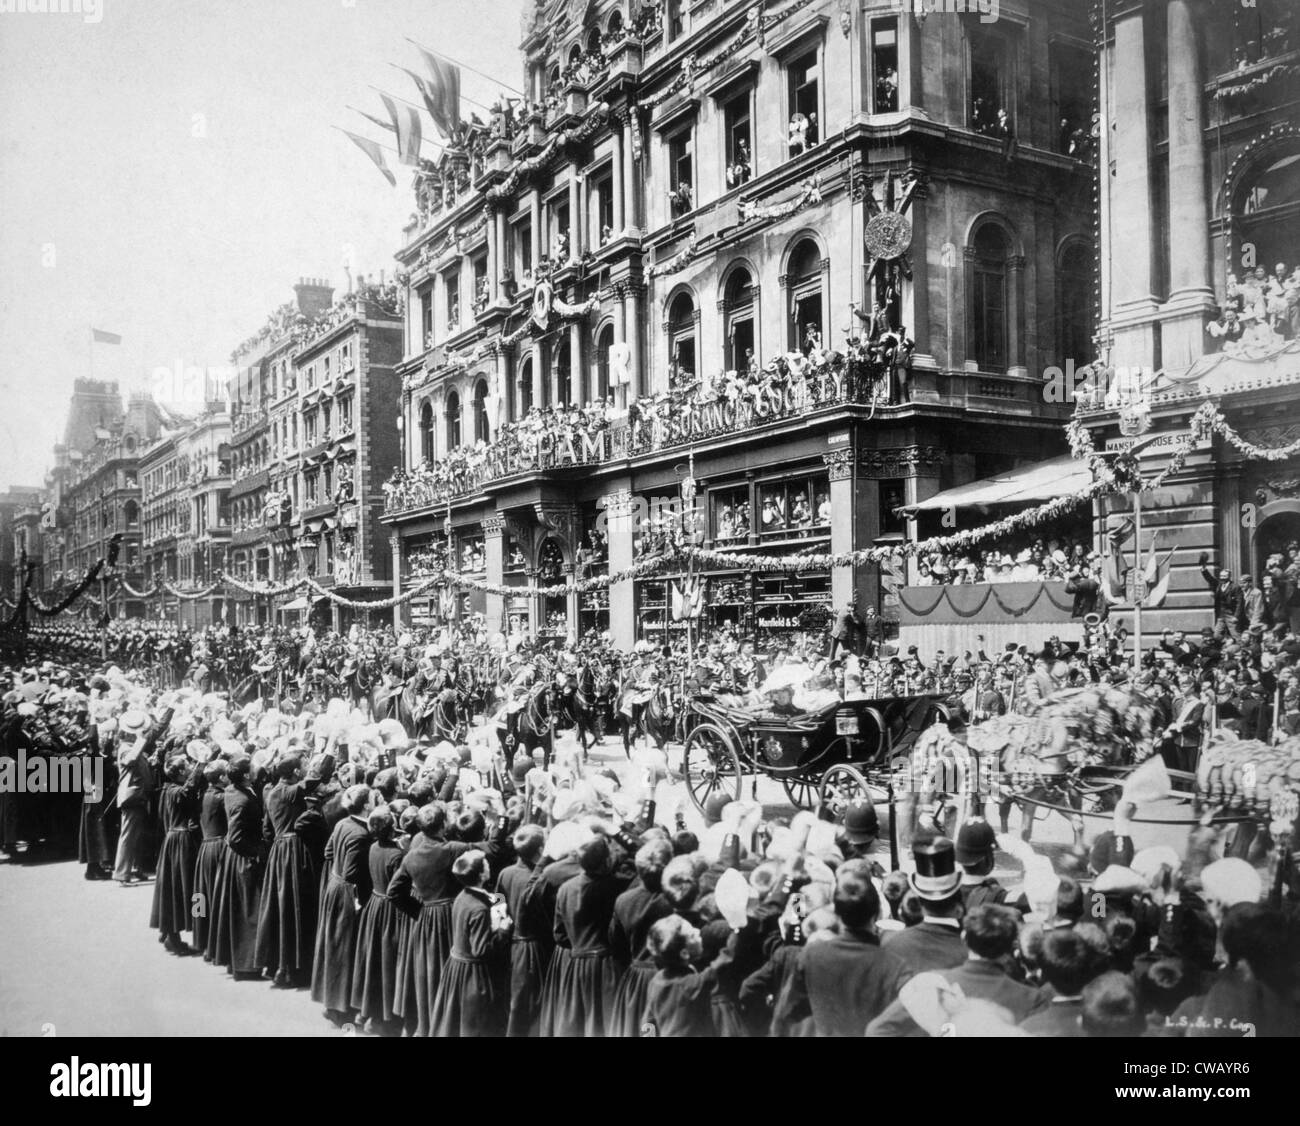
x: 936, y: 876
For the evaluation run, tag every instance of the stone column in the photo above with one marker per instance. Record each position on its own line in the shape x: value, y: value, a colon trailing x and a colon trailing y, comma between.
x: 494, y: 539
x: 537, y: 612
x: 495, y: 250
x: 1131, y: 184
x: 577, y: 369
x: 402, y: 611
x: 577, y: 229
x: 1191, y: 294
x: 620, y: 516
x: 571, y: 602
x: 839, y: 463
x: 1016, y: 316
x: 620, y: 211
x: 535, y: 227
x: 630, y: 214
x: 632, y: 328
x: 538, y: 384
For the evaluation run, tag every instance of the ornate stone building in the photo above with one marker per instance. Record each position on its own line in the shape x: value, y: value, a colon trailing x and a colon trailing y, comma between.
x: 1200, y: 286
x: 690, y: 195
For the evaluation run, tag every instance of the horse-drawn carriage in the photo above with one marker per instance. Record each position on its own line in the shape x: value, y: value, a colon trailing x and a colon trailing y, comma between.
x: 806, y: 752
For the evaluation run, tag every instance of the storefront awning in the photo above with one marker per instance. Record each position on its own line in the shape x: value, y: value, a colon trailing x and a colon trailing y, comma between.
x: 296, y: 604
x: 1046, y: 480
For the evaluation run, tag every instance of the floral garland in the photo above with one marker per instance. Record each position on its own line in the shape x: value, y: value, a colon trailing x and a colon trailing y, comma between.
x: 1231, y: 89
x: 192, y: 596
x: 573, y: 312
x: 268, y: 590
x: 723, y: 560
x: 131, y: 592
x: 678, y: 261
x: 80, y: 589
x: 1213, y: 421
x: 534, y: 164
x: 385, y: 604
x: 809, y: 193
x: 638, y: 570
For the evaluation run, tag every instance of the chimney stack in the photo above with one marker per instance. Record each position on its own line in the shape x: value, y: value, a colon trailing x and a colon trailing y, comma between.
x: 313, y: 296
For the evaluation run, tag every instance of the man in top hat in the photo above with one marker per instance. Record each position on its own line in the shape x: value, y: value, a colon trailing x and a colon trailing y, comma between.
x: 976, y: 843
x: 934, y: 943
x: 1228, y: 599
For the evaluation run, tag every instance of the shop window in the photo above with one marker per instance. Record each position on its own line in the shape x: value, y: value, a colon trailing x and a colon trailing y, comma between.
x: 794, y: 509
x: 893, y: 495
x: 730, y: 519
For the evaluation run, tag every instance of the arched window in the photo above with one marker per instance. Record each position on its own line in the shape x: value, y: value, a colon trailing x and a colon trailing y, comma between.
x: 1074, y: 304
x: 453, y: 421
x: 681, y: 339
x: 482, y: 432
x: 575, y: 55
x: 988, y: 330
x: 524, y: 389
x: 426, y: 431
x: 604, y: 342
x: 1268, y: 206
x: 593, y: 41
x: 615, y: 26
x: 740, y: 346
x: 803, y: 280
x: 132, y: 512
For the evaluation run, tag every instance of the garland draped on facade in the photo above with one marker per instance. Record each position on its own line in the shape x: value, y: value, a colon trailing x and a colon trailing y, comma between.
x: 809, y: 193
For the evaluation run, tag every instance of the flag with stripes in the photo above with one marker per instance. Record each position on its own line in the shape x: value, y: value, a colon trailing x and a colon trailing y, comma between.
x: 406, y: 124
x: 372, y: 150
x: 99, y: 336
x: 443, y: 86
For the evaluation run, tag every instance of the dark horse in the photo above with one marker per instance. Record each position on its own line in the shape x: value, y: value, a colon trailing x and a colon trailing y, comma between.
x: 656, y: 719
x: 532, y: 726
x: 584, y: 702
x: 441, y: 716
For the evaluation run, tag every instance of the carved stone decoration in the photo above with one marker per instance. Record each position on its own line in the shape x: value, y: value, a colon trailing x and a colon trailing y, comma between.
x: 902, y: 462
x: 1287, y: 488
x: 494, y: 526
x: 562, y: 520
x: 620, y: 503
x: 888, y: 234
x: 840, y: 464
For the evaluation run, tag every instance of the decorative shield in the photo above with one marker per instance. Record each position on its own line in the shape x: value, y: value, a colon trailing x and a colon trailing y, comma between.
x: 888, y: 235
x: 542, y: 298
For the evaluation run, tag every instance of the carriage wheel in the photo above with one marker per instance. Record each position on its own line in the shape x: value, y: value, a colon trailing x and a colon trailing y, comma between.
x: 840, y: 786
x: 710, y: 763
x: 802, y: 792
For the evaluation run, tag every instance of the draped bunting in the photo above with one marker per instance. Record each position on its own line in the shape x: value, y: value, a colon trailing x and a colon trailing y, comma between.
x: 1045, y: 600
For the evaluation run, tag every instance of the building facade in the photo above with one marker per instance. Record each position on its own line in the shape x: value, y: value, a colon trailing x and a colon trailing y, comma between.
x: 691, y: 195
x: 187, y: 521
x: 20, y: 511
x: 1200, y: 285
x: 100, y: 493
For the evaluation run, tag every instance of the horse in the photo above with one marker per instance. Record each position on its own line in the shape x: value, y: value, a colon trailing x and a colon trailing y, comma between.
x: 656, y: 718
x: 581, y: 703
x: 532, y: 725
x: 441, y: 717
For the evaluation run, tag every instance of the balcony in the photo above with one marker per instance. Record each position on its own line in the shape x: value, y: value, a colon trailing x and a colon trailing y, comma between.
x: 651, y: 428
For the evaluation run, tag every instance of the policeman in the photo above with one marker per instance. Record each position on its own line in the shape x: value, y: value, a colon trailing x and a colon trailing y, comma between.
x: 976, y: 843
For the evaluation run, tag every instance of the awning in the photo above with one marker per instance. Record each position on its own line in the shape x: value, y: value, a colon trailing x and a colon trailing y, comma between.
x: 296, y: 604
x: 1045, y: 480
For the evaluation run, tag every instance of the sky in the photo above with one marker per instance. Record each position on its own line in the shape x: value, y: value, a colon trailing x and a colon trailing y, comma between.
x: 170, y: 170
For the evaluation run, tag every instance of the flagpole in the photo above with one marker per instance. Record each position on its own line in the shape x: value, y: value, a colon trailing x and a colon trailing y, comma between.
x: 463, y: 98
x: 1137, y: 590
x: 466, y: 66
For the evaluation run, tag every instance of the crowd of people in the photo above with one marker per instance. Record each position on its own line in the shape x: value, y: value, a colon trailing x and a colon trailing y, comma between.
x: 1039, y: 559
x: 428, y: 886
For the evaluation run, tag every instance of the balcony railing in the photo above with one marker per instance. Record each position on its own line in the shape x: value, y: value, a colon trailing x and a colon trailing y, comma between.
x: 652, y: 426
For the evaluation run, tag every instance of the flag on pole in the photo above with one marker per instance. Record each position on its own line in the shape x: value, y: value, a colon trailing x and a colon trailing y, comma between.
x: 688, y: 599
x: 432, y: 101
x: 1157, y: 574
x: 372, y: 150
x: 406, y: 124
x: 444, y: 88
x: 374, y: 120
x: 99, y: 336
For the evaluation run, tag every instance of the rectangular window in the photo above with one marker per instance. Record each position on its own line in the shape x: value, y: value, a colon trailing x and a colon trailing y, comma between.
x: 990, y: 106
x: 884, y: 66
x: 795, y: 509
x: 805, y: 104
x: 1071, y: 100
x: 523, y: 249
x: 730, y: 515
x: 325, y: 373
x: 451, y: 289
x: 893, y: 495
x: 990, y: 341
x: 738, y: 140
x: 681, y: 172
x: 426, y: 316
x: 603, y: 194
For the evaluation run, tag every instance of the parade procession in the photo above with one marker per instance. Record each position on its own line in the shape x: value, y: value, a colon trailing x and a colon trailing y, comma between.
x: 761, y: 519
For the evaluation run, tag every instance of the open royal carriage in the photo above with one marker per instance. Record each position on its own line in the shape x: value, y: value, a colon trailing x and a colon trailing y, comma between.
x: 724, y: 744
